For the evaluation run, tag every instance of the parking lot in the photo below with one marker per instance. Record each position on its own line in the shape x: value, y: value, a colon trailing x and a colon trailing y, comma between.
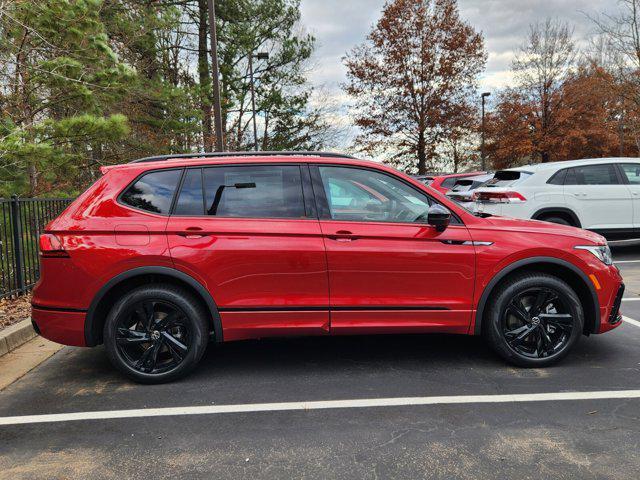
x: 370, y: 435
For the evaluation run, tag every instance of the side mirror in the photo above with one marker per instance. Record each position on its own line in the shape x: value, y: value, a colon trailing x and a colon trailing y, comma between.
x: 439, y: 217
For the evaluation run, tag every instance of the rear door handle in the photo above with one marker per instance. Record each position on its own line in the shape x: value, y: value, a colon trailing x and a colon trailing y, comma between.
x: 192, y: 232
x: 343, y: 236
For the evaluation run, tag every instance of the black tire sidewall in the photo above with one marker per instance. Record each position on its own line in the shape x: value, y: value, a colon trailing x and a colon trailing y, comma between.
x: 175, y: 296
x: 502, y: 297
x: 558, y: 221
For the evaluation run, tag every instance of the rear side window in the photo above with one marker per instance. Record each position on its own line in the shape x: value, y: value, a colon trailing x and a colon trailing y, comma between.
x: 558, y: 178
x: 592, y: 175
x: 632, y: 172
x: 191, y: 199
x: 153, y: 192
x: 254, y: 191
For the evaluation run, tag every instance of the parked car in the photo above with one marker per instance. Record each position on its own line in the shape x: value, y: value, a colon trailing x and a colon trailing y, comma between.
x: 602, y: 195
x: 462, y: 190
x: 163, y: 254
x: 443, y: 182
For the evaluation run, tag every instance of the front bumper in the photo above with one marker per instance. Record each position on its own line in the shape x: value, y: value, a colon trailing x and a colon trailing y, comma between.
x: 610, y: 316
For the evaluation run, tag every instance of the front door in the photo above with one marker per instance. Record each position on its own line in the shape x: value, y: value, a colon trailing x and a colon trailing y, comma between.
x: 389, y: 271
x: 253, y: 239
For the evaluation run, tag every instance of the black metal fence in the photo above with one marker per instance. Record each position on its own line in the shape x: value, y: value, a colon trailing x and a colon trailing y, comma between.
x: 22, y: 220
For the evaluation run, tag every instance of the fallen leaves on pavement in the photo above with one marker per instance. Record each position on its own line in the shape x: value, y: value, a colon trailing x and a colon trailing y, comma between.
x: 14, y: 310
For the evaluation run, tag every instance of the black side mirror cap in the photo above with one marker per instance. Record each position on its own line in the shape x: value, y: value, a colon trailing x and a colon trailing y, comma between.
x: 439, y: 217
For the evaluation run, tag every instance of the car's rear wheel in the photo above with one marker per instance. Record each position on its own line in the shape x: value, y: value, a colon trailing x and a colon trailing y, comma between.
x: 534, y: 320
x: 156, y: 333
x: 558, y: 220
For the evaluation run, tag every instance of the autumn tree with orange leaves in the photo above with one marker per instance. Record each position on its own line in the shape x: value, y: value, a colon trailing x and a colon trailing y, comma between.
x: 559, y: 108
x: 412, y: 79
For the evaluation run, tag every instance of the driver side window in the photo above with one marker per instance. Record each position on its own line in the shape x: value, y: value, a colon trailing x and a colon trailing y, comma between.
x: 366, y: 196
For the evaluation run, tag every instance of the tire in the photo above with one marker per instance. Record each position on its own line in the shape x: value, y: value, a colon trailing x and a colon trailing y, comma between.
x: 156, y: 333
x: 558, y: 220
x: 525, y: 335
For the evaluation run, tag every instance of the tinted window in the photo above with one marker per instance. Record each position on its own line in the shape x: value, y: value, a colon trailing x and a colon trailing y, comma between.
x: 558, y: 178
x: 632, y: 172
x: 256, y: 191
x: 592, y: 175
x: 153, y: 192
x: 507, y: 178
x: 449, y: 182
x: 190, y: 201
x: 364, y: 195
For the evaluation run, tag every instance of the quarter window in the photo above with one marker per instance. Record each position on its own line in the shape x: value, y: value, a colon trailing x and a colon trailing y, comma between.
x: 592, y: 175
x: 363, y: 195
x: 153, y: 192
x: 255, y: 191
x: 632, y: 172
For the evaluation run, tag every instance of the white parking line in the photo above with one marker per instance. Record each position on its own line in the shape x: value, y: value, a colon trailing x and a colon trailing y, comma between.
x: 626, y: 261
x: 632, y: 299
x: 631, y: 321
x: 320, y: 405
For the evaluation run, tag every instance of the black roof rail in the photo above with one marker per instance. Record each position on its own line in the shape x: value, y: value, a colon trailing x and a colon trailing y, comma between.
x: 240, y: 154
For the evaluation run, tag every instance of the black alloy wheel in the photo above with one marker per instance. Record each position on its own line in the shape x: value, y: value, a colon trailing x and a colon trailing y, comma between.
x: 533, y: 319
x: 537, y: 323
x: 153, y: 337
x: 156, y: 333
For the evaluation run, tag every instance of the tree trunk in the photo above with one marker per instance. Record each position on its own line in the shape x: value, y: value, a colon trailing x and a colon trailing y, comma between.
x: 204, y: 75
x: 422, y: 155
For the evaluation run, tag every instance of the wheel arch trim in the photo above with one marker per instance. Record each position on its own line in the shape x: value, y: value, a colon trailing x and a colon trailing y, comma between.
x: 486, y: 293
x: 562, y: 210
x: 89, y: 334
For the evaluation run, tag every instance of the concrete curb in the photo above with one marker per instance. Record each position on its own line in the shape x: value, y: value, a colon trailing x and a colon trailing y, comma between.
x: 15, y: 335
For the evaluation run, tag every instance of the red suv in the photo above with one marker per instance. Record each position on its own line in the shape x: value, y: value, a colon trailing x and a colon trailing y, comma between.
x: 445, y: 182
x: 161, y: 255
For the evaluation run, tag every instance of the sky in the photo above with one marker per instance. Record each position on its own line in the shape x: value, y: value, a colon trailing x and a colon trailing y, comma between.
x: 338, y: 25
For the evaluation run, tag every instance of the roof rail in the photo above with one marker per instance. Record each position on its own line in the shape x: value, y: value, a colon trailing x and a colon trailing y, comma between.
x: 240, y: 154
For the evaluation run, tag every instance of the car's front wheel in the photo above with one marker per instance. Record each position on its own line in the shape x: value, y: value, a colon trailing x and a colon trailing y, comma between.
x: 534, y: 320
x: 156, y: 333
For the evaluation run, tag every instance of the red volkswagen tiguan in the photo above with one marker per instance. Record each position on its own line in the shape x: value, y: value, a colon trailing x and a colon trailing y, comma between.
x: 161, y: 255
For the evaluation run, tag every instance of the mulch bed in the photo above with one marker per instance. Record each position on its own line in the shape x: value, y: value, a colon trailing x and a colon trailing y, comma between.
x: 14, y: 310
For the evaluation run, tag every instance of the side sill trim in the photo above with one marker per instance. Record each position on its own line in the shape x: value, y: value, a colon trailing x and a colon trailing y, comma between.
x: 332, y: 309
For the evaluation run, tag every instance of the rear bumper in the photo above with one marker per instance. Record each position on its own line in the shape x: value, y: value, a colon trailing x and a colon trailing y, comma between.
x: 60, y: 326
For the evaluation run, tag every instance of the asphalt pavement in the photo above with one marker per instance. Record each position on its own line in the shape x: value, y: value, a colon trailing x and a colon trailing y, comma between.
x: 586, y: 439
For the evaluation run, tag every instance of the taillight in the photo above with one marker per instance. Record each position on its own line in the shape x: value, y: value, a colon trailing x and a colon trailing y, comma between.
x: 498, y: 197
x: 51, y: 246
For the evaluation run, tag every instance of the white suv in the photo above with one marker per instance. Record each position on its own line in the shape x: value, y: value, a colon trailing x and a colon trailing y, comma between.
x: 602, y: 195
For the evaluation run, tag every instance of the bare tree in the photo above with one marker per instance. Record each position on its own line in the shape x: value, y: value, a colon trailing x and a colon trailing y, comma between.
x: 621, y: 56
x: 542, y: 65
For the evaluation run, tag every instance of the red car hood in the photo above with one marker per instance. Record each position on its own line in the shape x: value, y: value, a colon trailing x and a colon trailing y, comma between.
x: 536, y: 226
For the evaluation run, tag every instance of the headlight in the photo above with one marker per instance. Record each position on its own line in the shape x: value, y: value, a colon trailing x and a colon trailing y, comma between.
x: 602, y: 252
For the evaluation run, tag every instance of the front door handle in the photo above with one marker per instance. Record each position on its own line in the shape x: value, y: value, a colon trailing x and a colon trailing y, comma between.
x: 343, y: 236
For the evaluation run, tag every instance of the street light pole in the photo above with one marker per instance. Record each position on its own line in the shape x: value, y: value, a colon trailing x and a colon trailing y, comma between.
x: 259, y: 56
x: 215, y: 74
x: 482, y: 152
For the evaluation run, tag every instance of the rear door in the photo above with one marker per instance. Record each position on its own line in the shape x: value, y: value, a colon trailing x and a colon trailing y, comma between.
x: 252, y: 237
x: 599, y: 197
x: 390, y: 271
x: 631, y: 173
